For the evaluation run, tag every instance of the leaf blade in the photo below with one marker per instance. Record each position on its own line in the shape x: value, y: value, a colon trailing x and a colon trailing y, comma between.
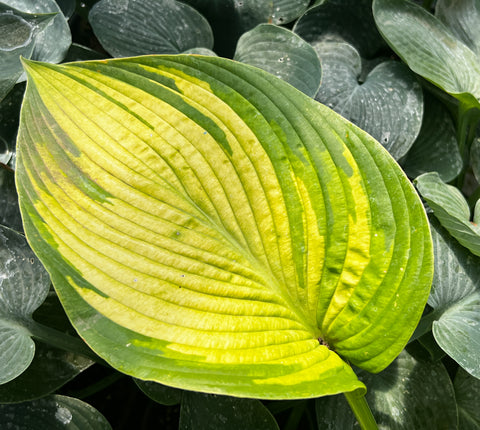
x: 218, y: 178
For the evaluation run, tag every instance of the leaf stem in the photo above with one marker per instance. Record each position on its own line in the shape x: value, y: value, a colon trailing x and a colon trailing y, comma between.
x: 60, y: 340
x: 362, y: 411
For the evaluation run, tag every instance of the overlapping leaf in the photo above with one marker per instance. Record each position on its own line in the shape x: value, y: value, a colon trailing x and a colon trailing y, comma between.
x: 429, y: 48
x: 282, y: 53
x: 53, y: 41
x: 217, y: 228
x: 388, y: 103
x: 455, y: 298
x: 24, y: 285
x: 451, y: 209
x: 18, y: 31
x: 135, y: 27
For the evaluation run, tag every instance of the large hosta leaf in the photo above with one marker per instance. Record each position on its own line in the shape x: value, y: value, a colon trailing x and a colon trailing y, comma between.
x: 210, y: 227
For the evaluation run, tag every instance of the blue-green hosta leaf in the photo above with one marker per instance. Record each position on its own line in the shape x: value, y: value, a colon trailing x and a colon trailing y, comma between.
x: 54, y: 413
x: 282, y: 53
x: 50, y: 369
x: 451, y: 209
x: 136, y: 27
x: 52, y: 43
x: 467, y: 393
x: 455, y: 298
x: 409, y: 394
x: 24, y: 284
x: 429, y: 48
x: 345, y: 20
x: 207, y: 411
x: 388, y: 104
x: 462, y: 18
x: 436, y: 147
x: 218, y: 227
x: 18, y: 33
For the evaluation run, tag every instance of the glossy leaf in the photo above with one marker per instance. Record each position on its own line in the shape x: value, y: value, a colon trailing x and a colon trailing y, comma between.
x: 467, y: 393
x: 219, y: 222
x: 455, y: 298
x: 388, y: 104
x: 282, y: 53
x: 24, y: 285
x: 53, y: 413
x: 18, y: 32
x: 52, y: 43
x: 436, y: 147
x: 409, y: 394
x: 451, y: 209
x: 429, y: 48
x: 349, y: 21
x: 136, y: 27
x: 212, y: 412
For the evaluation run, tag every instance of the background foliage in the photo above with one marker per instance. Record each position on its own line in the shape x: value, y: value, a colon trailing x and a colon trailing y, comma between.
x: 408, y: 73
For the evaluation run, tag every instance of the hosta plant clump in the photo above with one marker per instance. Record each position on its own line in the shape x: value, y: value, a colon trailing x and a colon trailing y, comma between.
x: 231, y: 224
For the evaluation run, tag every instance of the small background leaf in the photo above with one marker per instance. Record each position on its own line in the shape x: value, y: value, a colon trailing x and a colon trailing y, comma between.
x: 451, y: 209
x: 211, y: 412
x: 52, y: 43
x: 135, y: 27
x: 388, y: 104
x: 436, y: 147
x: 54, y: 413
x: 18, y: 36
x: 24, y: 285
x: 283, y: 54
